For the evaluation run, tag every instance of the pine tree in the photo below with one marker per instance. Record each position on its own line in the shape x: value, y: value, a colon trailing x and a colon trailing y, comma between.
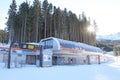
x: 23, y: 11
x: 44, y: 14
x: 11, y: 20
x: 49, y: 20
x: 30, y: 25
x: 37, y: 13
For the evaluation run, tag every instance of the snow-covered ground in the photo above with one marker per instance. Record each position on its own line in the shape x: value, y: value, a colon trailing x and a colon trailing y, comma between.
x: 104, y: 71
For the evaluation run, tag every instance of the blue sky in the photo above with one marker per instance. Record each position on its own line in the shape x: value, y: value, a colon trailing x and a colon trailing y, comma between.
x: 105, y: 12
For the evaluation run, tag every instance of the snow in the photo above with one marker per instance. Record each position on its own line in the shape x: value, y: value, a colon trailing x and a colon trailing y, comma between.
x: 115, y: 36
x: 110, y: 53
x: 104, y: 71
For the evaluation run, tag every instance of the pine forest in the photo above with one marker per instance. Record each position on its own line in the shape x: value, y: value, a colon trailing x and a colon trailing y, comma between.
x: 31, y: 22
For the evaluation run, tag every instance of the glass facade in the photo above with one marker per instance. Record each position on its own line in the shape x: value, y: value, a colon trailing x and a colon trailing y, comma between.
x: 47, y: 44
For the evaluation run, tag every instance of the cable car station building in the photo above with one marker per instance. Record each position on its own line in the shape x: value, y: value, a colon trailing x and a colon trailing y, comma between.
x: 55, y: 51
x: 69, y: 52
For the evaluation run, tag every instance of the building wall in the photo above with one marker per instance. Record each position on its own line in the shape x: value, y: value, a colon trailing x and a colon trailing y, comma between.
x: 1, y: 57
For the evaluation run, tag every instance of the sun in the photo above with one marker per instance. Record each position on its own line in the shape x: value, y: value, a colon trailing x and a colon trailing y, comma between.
x: 91, y: 29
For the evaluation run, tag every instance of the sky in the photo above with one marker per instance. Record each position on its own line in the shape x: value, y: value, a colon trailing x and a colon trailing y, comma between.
x: 106, y: 13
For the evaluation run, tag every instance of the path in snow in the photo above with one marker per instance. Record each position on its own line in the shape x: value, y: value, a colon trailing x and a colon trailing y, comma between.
x: 78, y: 72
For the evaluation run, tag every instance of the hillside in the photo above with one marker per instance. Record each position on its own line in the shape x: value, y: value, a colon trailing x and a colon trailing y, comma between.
x: 115, y: 36
x: 108, y: 41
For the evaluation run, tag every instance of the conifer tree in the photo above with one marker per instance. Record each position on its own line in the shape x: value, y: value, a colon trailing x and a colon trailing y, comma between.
x: 37, y: 13
x: 11, y: 20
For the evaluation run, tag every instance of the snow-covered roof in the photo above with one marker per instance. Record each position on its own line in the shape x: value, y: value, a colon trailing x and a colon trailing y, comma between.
x: 73, y: 44
x: 34, y: 43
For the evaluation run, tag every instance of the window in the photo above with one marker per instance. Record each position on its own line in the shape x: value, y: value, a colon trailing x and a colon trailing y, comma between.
x: 48, y: 44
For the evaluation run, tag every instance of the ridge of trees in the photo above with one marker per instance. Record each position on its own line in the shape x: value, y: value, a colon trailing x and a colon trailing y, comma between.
x: 3, y: 36
x: 31, y: 23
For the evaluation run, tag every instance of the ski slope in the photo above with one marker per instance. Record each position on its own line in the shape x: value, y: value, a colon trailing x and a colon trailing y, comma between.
x: 105, y: 71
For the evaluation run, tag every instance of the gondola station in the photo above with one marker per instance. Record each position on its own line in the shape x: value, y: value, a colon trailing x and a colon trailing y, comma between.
x: 52, y: 51
x: 57, y: 51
